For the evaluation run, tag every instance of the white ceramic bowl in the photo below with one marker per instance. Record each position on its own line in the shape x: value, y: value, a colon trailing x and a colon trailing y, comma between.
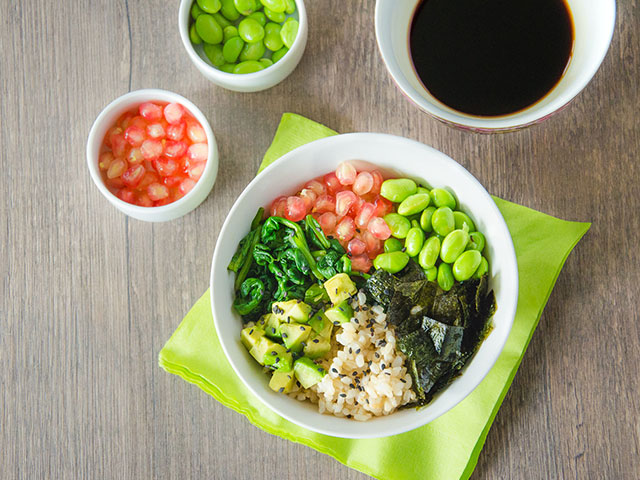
x: 593, y: 21
x: 418, y: 161
x: 250, y: 82
x: 107, y: 119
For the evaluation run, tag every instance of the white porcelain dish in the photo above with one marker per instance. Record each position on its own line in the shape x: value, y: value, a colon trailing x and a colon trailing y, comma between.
x: 250, y: 82
x: 593, y: 21
x: 393, y: 155
x: 107, y: 119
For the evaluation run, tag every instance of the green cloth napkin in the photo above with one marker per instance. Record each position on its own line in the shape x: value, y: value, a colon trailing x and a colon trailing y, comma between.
x: 446, y: 448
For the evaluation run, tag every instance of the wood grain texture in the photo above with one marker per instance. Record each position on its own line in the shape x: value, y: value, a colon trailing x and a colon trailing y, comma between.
x: 89, y: 296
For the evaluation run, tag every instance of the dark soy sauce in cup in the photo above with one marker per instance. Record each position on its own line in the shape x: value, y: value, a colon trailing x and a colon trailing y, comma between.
x: 490, y: 57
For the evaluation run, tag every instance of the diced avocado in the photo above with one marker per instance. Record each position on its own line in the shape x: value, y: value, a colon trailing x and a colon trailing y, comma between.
x: 282, y: 381
x: 250, y: 336
x: 263, y: 346
x: 340, y: 313
x: 317, y: 347
x: 307, y: 372
x: 277, y: 358
x: 340, y: 288
x: 272, y: 327
x: 292, y: 311
x: 321, y: 324
x: 294, y: 334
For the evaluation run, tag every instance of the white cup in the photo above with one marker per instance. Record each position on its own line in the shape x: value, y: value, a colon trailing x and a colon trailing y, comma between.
x: 593, y: 22
x: 249, y: 82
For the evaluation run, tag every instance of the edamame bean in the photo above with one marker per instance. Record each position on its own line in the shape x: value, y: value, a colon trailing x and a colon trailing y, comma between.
x: 214, y: 54
x: 210, y: 6
x: 289, y: 31
x: 259, y: 17
x: 245, y: 7
x: 266, y: 62
x: 429, y: 254
x: 462, y: 219
x: 252, y: 51
x: 414, y: 204
x: 397, y: 189
x: 392, y: 245
x: 423, y: 190
x: 196, y: 11
x: 466, y: 265
x: 208, y: 29
x: 415, y: 224
x: 275, y: 16
x: 453, y: 245
x: 272, y: 39
x: 232, y: 49
x: 482, y: 269
x: 398, y: 224
x: 228, y: 67
x: 193, y: 36
x: 250, y: 30
x: 278, y: 6
x: 250, y: 66
x: 278, y: 54
x: 229, y: 10
x: 229, y: 32
x: 414, y: 241
x: 291, y: 6
x: 391, y: 262
x: 425, y: 219
x: 223, y: 22
x: 442, y: 221
x: 476, y: 241
x: 443, y: 198
x: 445, y: 277
x: 431, y: 273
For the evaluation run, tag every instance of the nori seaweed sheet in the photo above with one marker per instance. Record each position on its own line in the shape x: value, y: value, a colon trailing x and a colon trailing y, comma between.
x: 445, y: 329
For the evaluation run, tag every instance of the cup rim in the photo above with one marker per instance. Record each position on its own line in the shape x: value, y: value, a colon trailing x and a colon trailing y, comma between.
x: 128, y: 100
x: 183, y: 22
x: 514, y: 121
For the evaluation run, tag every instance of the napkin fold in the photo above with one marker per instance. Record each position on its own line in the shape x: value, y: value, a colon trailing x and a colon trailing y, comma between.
x: 447, y: 448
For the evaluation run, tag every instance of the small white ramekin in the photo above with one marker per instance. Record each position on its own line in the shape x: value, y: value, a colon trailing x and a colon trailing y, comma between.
x: 249, y: 82
x: 107, y: 119
x: 593, y: 23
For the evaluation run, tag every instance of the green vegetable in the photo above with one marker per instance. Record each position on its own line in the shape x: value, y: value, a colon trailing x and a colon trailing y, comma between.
x: 397, y: 189
x: 249, y: 66
x: 443, y: 198
x: 461, y: 219
x: 274, y: 16
x: 209, y: 6
x: 253, y: 52
x: 265, y: 62
x: 431, y: 273
x: 476, y: 241
x: 252, y: 291
x: 392, y: 245
x: 442, y: 221
x: 229, y: 10
x: 228, y: 67
x: 275, y: 5
x: 196, y: 11
x: 222, y: 21
x: 289, y: 32
x: 314, y: 228
x: 398, y: 224
x: 466, y: 265
x: 391, y: 262
x: 250, y: 30
x: 245, y: 7
x: 193, y: 36
x: 429, y: 254
x: 445, y: 276
x: 291, y: 6
x: 482, y: 269
x: 214, y: 54
x: 453, y: 245
x: 425, y: 219
x: 413, y: 204
x: 414, y: 241
x: 259, y: 17
x: 228, y: 33
x: 232, y: 48
x: 316, y: 294
x: 277, y: 55
x: 272, y: 38
x: 208, y: 29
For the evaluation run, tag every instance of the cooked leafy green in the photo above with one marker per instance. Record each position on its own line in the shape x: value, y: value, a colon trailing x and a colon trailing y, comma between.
x: 438, y: 331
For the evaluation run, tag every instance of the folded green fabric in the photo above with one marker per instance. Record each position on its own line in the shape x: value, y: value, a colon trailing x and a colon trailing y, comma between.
x: 448, y: 447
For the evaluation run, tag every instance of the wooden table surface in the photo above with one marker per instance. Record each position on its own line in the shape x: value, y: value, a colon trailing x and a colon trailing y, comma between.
x: 89, y: 296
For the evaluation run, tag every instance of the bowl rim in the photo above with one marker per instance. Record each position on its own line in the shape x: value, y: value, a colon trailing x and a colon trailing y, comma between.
x: 509, y: 308
x: 508, y: 122
x: 183, y: 21
x: 127, y: 101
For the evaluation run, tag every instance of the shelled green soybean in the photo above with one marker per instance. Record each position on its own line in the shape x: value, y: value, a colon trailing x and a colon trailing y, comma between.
x: 243, y: 36
x: 427, y: 227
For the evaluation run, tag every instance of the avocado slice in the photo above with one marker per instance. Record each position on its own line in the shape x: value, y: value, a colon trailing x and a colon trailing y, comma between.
x: 259, y: 350
x: 277, y: 357
x: 340, y: 288
x: 317, y: 346
x: 291, y: 311
x: 294, y: 335
x: 321, y: 324
x: 272, y: 327
x: 307, y: 372
x: 282, y: 381
x: 341, y: 313
x: 250, y: 336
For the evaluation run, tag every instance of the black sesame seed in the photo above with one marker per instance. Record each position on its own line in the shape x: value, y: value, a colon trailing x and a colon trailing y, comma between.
x: 387, y: 373
x: 369, y: 362
x: 358, y: 351
x: 335, y: 323
x: 321, y: 369
x: 349, y: 415
x: 366, y: 400
x: 304, y: 344
x: 383, y: 366
x: 284, y: 335
x: 403, y: 249
x: 350, y: 350
x: 343, y: 395
x: 358, y: 230
x: 341, y: 375
x: 355, y: 374
x: 277, y: 359
x: 298, y: 383
x: 352, y: 385
x: 377, y: 355
x: 301, y: 328
x: 250, y: 331
x: 403, y: 380
x: 273, y: 330
x: 356, y: 320
x: 281, y: 389
x: 274, y: 353
x: 334, y: 370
